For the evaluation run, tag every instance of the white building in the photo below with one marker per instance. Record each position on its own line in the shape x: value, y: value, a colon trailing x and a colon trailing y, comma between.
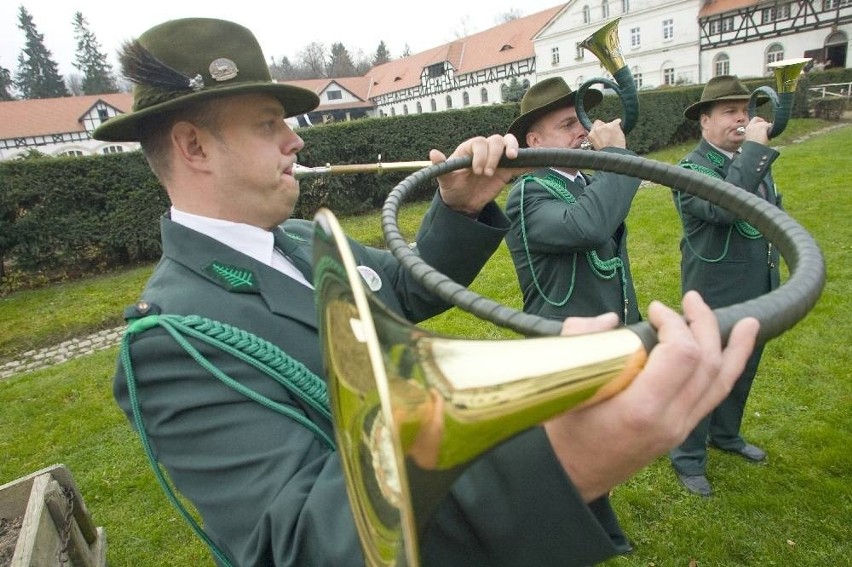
x: 60, y: 126
x: 658, y: 41
x: 742, y: 37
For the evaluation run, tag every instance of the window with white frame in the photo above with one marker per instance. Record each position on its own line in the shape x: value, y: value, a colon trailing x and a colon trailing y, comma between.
x: 604, y: 9
x: 405, y: 109
x: 334, y: 95
x: 483, y: 95
x: 668, y: 29
x: 635, y: 38
x: 625, y: 6
x: 774, y: 52
x: 433, y: 105
x: 419, y: 108
x: 728, y: 24
x: 721, y: 65
x: 581, y: 51
x: 465, y: 99
x: 586, y: 16
x: 449, y: 101
x: 637, y: 76
x: 71, y: 153
x: 554, y: 56
x: 113, y: 150
x: 669, y: 76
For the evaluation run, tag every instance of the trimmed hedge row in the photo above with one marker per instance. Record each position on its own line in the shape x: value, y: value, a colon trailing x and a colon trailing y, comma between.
x: 63, y: 218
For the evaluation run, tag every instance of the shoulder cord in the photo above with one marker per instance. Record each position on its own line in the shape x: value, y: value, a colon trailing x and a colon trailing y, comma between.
x: 245, y: 346
x: 604, y: 269
x: 745, y: 229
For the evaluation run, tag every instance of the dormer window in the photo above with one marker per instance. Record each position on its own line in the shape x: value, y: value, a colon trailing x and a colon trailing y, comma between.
x: 506, y: 47
x: 435, y: 70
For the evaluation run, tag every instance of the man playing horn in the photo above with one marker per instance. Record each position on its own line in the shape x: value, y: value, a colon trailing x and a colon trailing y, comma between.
x: 568, y: 238
x: 722, y: 257
x: 244, y: 437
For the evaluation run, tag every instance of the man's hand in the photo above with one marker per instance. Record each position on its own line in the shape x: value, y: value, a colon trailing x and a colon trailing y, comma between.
x: 607, y: 134
x: 469, y: 190
x: 687, y: 374
x: 757, y: 130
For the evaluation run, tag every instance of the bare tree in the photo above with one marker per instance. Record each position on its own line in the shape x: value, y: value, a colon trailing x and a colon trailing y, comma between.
x: 314, y: 58
x: 505, y: 17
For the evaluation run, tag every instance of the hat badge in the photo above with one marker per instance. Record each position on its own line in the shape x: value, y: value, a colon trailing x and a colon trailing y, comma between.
x: 222, y: 69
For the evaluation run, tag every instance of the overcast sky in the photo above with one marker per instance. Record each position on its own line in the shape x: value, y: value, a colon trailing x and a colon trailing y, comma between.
x: 282, y: 28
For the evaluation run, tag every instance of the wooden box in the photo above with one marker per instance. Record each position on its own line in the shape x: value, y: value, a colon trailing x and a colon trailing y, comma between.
x: 46, y: 523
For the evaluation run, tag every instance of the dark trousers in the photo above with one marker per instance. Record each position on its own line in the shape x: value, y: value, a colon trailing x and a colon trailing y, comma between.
x: 602, y: 509
x: 721, y: 427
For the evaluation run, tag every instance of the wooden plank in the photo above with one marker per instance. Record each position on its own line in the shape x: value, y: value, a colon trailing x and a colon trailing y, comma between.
x: 77, y: 547
x: 41, y: 498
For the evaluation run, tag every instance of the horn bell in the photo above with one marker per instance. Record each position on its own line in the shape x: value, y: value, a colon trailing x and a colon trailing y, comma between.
x: 604, y: 45
x: 413, y: 409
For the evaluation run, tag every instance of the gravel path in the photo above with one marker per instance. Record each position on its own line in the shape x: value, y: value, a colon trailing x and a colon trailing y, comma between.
x: 36, y: 359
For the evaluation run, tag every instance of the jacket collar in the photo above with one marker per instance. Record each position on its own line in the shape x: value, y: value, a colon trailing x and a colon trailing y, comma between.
x: 236, y: 272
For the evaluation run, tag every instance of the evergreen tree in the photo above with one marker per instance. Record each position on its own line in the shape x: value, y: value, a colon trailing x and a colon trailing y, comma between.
x: 97, y: 72
x: 340, y: 63
x: 37, y: 75
x: 514, y: 92
x: 382, y: 54
x: 6, y: 84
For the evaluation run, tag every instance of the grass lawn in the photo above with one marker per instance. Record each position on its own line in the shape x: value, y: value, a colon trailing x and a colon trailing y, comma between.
x: 796, y: 509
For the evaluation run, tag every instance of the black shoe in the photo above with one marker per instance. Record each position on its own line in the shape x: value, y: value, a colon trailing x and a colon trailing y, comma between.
x: 696, y: 483
x: 749, y: 452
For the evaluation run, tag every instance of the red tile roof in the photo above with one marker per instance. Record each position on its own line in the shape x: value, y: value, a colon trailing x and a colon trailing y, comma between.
x: 512, y: 41
x: 46, y: 116
x: 714, y: 7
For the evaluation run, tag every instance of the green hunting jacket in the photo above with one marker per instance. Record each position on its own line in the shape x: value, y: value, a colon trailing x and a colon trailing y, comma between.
x: 722, y: 257
x: 268, y: 490
x: 549, y: 240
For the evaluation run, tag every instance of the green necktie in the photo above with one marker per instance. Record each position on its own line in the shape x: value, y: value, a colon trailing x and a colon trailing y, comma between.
x: 290, y: 248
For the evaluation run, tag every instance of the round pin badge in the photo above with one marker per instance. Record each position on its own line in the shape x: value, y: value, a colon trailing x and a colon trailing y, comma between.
x: 370, y: 277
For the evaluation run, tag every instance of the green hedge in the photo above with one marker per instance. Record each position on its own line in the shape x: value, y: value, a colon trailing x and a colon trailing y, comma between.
x: 65, y: 217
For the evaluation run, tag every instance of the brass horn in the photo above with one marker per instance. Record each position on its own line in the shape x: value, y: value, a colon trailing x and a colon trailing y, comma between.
x: 413, y: 409
x: 604, y: 45
x: 787, y: 73
x: 300, y: 171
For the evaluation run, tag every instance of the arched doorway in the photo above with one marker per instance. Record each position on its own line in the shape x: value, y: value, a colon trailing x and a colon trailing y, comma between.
x: 835, y: 49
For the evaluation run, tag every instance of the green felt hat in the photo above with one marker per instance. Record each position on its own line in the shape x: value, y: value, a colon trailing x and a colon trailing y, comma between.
x: 722, y: 87
x: 183, y: 62
x: 544, y: 97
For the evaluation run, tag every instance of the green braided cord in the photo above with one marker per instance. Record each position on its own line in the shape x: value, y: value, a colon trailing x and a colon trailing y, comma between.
x: 152, y: 460
x: 603, y: 269
x: 261, y: 354
x: 553, y: 191
x: 745, y: 229
x: 253, y: 350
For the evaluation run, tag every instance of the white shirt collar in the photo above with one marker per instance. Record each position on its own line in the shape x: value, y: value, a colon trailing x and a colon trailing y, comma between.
x: 251, y: 240
x: 566, y: 174
x: 725, y: 152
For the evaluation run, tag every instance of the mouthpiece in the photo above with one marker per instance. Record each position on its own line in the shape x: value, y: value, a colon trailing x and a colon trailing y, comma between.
x: 741, y: 130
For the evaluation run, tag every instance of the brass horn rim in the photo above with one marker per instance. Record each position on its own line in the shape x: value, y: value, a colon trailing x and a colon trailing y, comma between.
x: 777, y: 311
